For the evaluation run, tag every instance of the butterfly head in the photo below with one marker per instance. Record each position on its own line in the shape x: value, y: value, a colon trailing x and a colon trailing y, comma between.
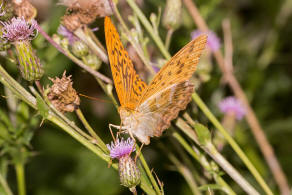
x: 125, y: 114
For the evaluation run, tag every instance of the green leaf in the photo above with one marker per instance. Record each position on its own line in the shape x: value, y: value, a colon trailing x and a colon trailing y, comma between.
x: 210, y: 187
x: 42, y: 107
x: 203, y: 133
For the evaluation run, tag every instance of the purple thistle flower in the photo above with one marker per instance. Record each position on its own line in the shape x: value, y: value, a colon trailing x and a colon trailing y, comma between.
x: 232, y: 105
x: 213, y: 41
x: 121, y: 148
x: 62, y: 30
x: 17, y: 29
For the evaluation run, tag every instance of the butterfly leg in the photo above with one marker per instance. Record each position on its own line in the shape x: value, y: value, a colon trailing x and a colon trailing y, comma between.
x: 110, y: 128
x: 119, y: 127
x: 139, y: 152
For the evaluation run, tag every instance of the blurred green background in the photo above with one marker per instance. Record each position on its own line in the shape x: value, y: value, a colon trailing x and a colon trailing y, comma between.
x: 262, y: 59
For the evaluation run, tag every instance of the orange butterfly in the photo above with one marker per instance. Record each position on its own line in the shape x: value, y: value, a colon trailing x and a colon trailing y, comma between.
x: 147, y: 110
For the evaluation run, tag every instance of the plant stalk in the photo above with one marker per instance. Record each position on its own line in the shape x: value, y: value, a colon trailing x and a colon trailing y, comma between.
x: 19, y: 168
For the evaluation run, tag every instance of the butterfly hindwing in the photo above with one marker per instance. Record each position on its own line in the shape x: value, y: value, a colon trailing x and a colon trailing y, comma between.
x: 128, y: 84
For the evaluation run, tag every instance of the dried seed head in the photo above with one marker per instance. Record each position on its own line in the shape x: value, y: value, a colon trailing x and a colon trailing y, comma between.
x: 83, y: 12
x: 18, y: 29
x: 62, y: 95
x: 23, y: 8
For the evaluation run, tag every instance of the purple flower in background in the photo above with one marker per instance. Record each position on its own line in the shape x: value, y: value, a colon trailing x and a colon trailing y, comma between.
x: 232, y: 105
x: 62, y: 30
x: 121, y: 148
x: 17, y: 29
x: 155, y: 68
x: 213, y: 41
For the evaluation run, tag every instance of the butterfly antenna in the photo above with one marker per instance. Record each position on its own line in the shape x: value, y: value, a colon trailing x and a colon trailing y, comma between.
x: 94, y: 98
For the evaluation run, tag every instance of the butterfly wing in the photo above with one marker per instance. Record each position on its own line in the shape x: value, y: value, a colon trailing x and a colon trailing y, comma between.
x: 155, y: 114
x: 170, y: 90
x: 128, y: 84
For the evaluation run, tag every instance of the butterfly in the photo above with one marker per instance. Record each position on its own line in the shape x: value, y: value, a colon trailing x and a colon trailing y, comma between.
x: 147, y: 110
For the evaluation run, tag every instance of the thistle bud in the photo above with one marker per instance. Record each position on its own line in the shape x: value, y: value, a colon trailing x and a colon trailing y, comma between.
x: 172, y: 14
x: 62, y: 95
x: 20, y: 33
x: 93, y: 61
x: 29, y: 64
x: 129, y: 172
x: 79, y: 49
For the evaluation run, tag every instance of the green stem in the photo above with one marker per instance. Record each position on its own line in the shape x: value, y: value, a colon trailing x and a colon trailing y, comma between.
x: 19, y: 168
x: 68, y: 127
x: 229, y: 169
x: 219, y: 180
x: 93, y: 46
x: 99, y: 142
x: 148, y: 172
x: 149, y: 28
x: 168, y: 38
x: 232, y: 143
x: 5, y: 185
x: 132, y: 41
x: 186, y: 173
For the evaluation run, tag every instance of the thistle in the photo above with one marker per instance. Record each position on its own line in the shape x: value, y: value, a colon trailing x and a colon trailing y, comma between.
x: 19, y: 32
x: 129, y: 172
x: 233, y: 111
x: 213, y: 42
x: 232, y: 106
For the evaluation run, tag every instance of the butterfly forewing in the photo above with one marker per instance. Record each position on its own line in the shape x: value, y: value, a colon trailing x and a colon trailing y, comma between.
x: 128, y: 84
x: 170, y: 90
x: 178, y: 69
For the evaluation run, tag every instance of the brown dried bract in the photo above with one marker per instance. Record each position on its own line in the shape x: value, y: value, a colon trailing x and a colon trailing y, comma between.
x: 62, y: 95
x: 83, y: 12
x: 23, y: 8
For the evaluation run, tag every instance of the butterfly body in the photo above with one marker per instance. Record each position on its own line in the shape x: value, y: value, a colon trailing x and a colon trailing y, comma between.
x: 147, y: 110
